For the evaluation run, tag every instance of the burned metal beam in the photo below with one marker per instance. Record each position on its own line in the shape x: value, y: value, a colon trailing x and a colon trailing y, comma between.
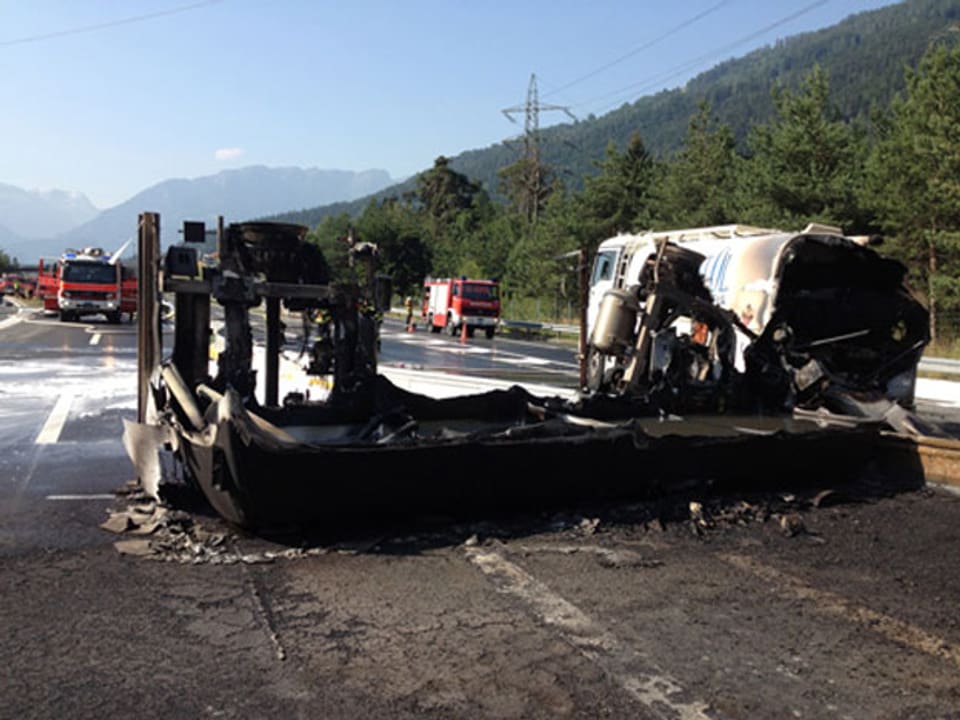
x: 148, y: 302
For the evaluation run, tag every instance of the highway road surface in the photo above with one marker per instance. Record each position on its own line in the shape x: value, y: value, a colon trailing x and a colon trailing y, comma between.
x: 814, y: 602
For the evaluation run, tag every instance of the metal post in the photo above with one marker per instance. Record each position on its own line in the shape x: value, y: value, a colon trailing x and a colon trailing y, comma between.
x: 148, y: 316
x: 582, y: 268
x: 274, y: 334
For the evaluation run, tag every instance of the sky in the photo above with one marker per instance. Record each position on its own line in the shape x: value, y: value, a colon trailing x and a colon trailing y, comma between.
x: 108, y: 97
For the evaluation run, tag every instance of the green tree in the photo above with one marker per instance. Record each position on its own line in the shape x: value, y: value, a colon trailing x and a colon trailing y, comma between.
x: 527, y: 184
x: 5, y: 263
x: 452, y: 209
x: 914, y: 174
x: 807, y: 162
x: 700, y: 187
x: 403, y: 255
x: 622, y: 197
x: 330, y: 235
x: 535, y: 271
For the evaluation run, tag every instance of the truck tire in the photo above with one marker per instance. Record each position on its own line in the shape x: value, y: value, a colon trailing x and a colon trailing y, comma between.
x: 595, y: 368
x: 113, y: 318
x: 451, y: 327
x: 490, y: 333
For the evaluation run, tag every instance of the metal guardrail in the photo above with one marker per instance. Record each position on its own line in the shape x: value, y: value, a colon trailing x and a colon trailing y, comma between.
x: 552, y: 327
x: 940, y: 365
x: 944, y: 366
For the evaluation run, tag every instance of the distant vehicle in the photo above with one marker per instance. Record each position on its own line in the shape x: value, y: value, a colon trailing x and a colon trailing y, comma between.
x: 17, y: 284
x: 87, y: 282
x: 454, y: 303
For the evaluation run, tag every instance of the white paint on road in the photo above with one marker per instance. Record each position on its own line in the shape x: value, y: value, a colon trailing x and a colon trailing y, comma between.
x: 50, y: 432
x: 655, y: 690
x: 91, y: 496
x: 95, y: 339
x: 945, y: 393
x: 825, y: 602
x: 495, y: 354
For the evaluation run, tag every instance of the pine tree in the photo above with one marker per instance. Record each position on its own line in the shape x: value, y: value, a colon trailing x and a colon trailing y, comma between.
x: 700, y: 185
x: 914, y: 176
x: 806, y: 164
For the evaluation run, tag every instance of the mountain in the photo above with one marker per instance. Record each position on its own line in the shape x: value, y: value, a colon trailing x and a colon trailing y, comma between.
x: 239, y: 195
x: 35, y: 213
x: 11, y: 244
x: 864, y: 56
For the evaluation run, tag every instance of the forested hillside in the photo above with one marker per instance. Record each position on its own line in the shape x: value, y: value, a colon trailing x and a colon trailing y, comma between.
x: 864, y: 57
x: 855, y: 126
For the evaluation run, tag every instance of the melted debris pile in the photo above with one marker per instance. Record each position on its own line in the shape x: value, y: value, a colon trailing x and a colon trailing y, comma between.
x: 162, y: 533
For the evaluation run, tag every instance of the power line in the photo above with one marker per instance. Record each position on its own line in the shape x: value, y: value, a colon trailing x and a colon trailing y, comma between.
x: 109, y: 24
x: 650, y: 43
x: 679, y: 70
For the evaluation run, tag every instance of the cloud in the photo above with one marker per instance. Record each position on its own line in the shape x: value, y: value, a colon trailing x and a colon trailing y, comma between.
x: 228, y: 153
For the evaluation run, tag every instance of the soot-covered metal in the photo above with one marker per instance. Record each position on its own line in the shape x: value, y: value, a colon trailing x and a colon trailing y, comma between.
x: 673, y: 409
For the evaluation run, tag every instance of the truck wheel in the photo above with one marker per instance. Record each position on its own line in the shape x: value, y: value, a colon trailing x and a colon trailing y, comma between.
x: 113, y: 318
x: 594, y: 369
x: 451, y: 327
x: 490, y: 333
x: 65, y: 317
x: 470, y: 331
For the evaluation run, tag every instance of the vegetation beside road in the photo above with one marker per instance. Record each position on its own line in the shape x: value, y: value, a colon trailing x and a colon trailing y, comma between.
x: 892, y: 175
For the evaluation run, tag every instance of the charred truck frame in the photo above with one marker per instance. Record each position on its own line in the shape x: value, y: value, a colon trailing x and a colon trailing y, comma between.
x: 668, y: 409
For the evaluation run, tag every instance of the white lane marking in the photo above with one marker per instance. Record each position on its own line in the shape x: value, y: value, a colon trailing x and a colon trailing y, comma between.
x: 95, y: 339
x: 524, y: 360
x: 496, y: 355
x: 825, y: 602
x: 92, y: 496
x: 650, y: 686
x: 50, y: 432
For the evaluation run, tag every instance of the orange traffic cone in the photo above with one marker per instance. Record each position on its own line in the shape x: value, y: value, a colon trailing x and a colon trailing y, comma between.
x: 463, y: 332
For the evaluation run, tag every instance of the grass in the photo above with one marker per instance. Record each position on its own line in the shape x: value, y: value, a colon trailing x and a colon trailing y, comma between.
x: 944, y: 348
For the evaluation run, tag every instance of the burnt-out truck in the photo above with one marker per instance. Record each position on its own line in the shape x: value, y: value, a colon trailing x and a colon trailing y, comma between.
x: 811, y: 394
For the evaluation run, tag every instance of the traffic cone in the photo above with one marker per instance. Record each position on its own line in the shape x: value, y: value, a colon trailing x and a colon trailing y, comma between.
x: 463, y: 332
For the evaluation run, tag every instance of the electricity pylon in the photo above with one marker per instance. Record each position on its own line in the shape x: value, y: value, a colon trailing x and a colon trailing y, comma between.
x: 533, y: 172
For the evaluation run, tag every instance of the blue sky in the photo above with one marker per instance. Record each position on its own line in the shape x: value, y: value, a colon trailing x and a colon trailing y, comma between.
x: 108, y: 97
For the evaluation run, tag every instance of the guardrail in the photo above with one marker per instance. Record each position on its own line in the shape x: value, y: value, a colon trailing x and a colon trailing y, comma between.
x: 552, y: 327
x: 944, y: 366
x: 940, y: 365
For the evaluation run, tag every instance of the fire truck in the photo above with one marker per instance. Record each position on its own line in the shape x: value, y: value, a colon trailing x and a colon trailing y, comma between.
x: 455, y: 303
x: 87, y: 282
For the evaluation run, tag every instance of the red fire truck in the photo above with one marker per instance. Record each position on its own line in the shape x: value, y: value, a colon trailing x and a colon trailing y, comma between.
x: 452, y: 303
x: 87, y: 282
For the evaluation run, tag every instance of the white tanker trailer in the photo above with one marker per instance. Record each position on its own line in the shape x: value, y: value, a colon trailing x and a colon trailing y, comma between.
x: 704, y: 319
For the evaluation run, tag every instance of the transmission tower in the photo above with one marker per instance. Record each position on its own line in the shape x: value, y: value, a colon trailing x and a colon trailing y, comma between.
x: 533, y: 175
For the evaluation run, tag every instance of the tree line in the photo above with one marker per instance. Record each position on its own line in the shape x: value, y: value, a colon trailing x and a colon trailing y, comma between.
x: 896, y: 173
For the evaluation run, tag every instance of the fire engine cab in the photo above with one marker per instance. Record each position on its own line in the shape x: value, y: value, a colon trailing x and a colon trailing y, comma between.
x: 86, y: 282
x: 453, y: 303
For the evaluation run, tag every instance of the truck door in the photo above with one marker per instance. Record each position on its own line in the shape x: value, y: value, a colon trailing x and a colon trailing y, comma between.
x: 601, y: 280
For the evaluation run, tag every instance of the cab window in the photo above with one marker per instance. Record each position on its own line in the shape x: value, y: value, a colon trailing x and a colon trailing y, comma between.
x: 603, y: 266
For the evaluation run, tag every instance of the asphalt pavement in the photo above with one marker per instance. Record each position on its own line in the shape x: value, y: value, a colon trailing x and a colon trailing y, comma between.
x: 813, y: 602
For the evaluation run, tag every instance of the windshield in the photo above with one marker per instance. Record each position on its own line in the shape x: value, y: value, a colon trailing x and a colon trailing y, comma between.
x: 603, y: 266
x: 82, y: 272
x: 476, y: 291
